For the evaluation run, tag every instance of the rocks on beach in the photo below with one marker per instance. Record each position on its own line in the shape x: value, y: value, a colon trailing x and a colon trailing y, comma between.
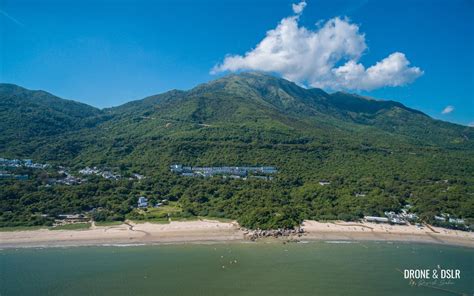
x: 260, y: 233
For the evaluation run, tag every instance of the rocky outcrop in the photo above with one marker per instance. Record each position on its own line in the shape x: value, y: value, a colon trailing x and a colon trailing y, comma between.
x: 261, y: 233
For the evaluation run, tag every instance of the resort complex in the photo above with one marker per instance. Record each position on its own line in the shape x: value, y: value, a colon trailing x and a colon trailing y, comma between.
x: 262, y: 172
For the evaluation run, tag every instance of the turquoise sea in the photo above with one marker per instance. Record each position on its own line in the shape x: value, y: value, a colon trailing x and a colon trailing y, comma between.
x: 313, y: 268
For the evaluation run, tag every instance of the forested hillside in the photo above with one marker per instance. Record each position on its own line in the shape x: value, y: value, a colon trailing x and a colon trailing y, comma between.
x: 375, y: 155
x: 31, y: 119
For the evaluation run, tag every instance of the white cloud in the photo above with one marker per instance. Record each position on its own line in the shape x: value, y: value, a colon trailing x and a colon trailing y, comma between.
x: 309, y: 57
x: 447, y: 110
x: 394, y: 70
x: 298, y: 8
x: 471, y: 124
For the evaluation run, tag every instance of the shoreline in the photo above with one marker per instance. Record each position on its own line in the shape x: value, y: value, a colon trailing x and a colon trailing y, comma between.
x: 210, y: 231
x: 366, y: 231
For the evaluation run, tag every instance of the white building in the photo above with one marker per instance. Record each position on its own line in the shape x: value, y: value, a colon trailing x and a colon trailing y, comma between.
x: 142, y: 202
x: 376, y: 219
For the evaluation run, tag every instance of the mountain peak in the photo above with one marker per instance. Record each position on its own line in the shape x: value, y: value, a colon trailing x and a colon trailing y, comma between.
x: 259, y: 86
x: 10, y: 88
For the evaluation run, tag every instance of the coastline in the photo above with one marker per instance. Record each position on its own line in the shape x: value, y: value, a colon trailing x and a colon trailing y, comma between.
x: 365, y: 231
x: 210, y: 231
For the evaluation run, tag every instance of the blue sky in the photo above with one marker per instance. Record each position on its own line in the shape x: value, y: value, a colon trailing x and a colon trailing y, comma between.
x: 105, y: 53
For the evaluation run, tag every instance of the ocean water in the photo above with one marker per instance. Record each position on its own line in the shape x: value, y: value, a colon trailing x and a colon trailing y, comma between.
x: 313, y: 268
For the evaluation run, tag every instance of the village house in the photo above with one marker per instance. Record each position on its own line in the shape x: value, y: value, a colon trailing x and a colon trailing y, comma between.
x: 138, y: 176
x: 395, y: 218
x: 15, y: 163
x: 89, y: 171
x: 456, y: 220
x: 142, y: 202
x: 376, y: 219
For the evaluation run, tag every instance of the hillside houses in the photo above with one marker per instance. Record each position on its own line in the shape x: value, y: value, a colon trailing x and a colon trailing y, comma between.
x: 395, y: 218
x: 89, y: 171
x: 16, y: 163
x: 7, y: 175
x: 108, y: 174
x: 9, y: 169
x: 391, y: 217
x: 137, y: 176
x: 98, y: 172
x: 447, y: 218
x: 144, y: 202
x: 232, y: 172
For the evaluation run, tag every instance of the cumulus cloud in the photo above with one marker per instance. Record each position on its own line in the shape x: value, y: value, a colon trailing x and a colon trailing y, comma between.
x: 394, y: 70
x: 312, y: 57
x: 447, y: 110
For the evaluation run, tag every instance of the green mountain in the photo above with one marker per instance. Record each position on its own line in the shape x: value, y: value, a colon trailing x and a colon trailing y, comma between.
x: 30, y: 118
x: 392, y: 154
x: 250, y: 97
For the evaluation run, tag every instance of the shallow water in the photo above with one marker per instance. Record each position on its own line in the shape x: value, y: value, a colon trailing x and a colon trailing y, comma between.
x: 313, y: 268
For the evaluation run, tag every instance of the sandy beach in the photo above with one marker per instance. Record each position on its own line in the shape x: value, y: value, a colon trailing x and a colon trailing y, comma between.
x: 385, y: 232
x: 130, y: 233
x: 203, y: 231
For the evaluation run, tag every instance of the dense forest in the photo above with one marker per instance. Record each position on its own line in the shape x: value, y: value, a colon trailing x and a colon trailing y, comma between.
x: 375, y: 155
